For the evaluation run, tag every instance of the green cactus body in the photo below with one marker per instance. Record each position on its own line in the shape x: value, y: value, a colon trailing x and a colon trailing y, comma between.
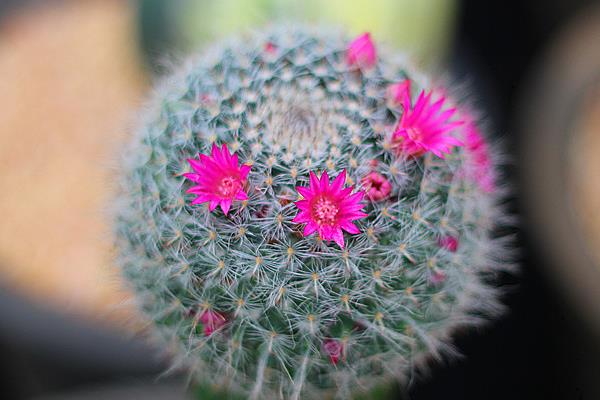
x: 292, y: 315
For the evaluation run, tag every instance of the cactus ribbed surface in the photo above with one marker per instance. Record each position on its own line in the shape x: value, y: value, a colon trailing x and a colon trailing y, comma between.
x: 246, y: 297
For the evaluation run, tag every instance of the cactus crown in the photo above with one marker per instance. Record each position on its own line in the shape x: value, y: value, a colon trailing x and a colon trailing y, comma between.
x: 262, y: 295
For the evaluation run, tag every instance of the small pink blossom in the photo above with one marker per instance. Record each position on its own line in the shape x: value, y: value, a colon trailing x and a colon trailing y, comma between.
x: 220, y: 180
x: 361, y: 52
x: 205, y: 98
x: 377, y: 186
x: 327, y: 208
x: 212, y: 321
x: 482, y: 170
x: 449, y: 243
x: 437, y: 276
x: 424, y: 127
x: 399, y: 93
x: 334, y: 349
x: 270, y: 47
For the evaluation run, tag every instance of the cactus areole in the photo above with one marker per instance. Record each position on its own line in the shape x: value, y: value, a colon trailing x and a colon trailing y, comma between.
x: 284, y: 214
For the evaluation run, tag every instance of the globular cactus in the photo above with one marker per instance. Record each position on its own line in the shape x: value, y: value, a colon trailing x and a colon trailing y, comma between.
x: 302, y: 215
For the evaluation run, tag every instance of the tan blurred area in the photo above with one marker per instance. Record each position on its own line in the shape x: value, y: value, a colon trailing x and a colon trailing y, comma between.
x: 584, y: 172
x: 70, y: 80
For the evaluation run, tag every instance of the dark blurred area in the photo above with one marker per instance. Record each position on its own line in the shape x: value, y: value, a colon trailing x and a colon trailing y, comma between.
x: 511, y: 53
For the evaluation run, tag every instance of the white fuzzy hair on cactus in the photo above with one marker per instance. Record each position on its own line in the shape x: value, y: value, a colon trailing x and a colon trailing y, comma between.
x: 303, y: 215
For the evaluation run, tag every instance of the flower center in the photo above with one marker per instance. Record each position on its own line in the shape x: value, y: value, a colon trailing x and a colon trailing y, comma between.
x: 414, y: 133
x: 228, y: 187
x: 375, y: 184
x: 325, y: 211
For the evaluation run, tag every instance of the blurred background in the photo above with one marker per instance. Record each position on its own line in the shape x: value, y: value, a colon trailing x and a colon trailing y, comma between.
x: 73, y: 73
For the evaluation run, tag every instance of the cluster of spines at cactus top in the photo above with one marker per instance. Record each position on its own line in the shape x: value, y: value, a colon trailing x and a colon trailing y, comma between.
x: 302, y: 215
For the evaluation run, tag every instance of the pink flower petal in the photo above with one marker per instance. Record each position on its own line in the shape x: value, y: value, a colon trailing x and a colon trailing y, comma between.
x: 244, y: 170
x: 241, y: 195
x: 350, y: 228
x: 304, y: 191
x: 314, y: 181
x: 198, y: 200
x: 192, y: 176
x: 303, y: 205
x: 225, y: 205
x: 310, y: 228
x: 338, y: 237
x: 424, y: 127
x: 449, y: 243
x: 324, y: 182
x: 400, y: 93
x: 338, y: 181
x: 334, y: 349
x: 301, y: 217
x: 212, y: 321
x: 361, y: 52
x: 480, y: 167
x: 197, y: 165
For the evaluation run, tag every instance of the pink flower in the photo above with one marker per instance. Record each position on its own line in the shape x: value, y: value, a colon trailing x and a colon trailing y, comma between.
x: 424, y: 127
x: 449, y: 243
x: 361, y: 52
x: 212, y: 321
x: 205, y: 98
x: 327, y: 208
x: 399, y: 93
x: 482, y: 170
x: 437, y: 276
x: 334, y: 349
x: 220, y: 180
x: 376, y: 186
x: 270, y: 47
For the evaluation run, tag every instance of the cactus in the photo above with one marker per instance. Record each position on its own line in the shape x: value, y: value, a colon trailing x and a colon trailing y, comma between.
x: 302, y: 215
